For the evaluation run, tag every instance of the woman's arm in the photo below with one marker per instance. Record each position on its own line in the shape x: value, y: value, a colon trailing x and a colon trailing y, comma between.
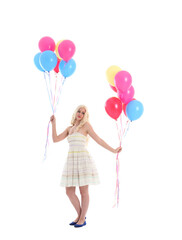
x: 100, y: 141
x: 60, y: 137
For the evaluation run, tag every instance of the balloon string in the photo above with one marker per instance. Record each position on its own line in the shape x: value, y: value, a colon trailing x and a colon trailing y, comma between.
x: 121, y: 122
x: 117, y: 182
x: 121, y: 134
x: 55, y: 91
x: 47, y: 141
x: 60, y: 91
x: 117, y: 168
x: 53, y: 105
x: 50, y: 87
x: 48, y: 91
x: 127, y: 127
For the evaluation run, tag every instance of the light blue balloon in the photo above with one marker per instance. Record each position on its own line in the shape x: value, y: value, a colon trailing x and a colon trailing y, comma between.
x: 67, y: 68
x: 37, y: 63
x: 48, y: 60
x: 134, y: 110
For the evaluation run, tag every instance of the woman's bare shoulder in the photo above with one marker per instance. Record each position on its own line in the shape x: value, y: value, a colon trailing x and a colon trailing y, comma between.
x: 87, y: 126
x: 69, y: 128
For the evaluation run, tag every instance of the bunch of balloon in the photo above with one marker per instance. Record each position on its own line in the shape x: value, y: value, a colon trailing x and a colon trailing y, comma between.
x: 55, y: 61
x: 121, y: 82
x: 133, y: 109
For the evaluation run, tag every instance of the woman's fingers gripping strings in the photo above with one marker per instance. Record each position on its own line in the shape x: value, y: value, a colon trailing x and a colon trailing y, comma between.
x: 118, y: 150
x: 52, y: 118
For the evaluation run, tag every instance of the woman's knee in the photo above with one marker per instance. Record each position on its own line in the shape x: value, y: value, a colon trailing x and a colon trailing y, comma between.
x: 84, y: 191
x: 70, y: 191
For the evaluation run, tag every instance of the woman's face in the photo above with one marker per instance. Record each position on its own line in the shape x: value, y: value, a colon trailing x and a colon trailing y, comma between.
x: 80, y: 114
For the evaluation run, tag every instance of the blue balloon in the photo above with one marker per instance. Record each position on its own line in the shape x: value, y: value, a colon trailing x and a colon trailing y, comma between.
x: 67, y: 68
x: 48, y: 60
x: 37, y: 63
x: 134, y: 110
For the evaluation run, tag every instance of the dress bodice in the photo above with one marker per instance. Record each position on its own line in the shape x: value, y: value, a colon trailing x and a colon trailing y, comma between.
x: 77, y: 139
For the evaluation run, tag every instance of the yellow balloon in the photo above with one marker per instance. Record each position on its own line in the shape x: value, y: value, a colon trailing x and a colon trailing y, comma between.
x: 56, y: 49
x: 111, y: 72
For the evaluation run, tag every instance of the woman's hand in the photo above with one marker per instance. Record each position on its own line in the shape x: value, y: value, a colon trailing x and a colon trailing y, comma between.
x: 52, y: 119
x: 118, y: 150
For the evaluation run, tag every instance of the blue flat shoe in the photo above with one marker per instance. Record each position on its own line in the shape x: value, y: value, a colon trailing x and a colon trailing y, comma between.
x: 80, y: 225
x: 73, y: 223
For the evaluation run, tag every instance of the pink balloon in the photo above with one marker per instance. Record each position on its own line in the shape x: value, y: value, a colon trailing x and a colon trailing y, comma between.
x: 122, y: 81
x: 66, y: 50
x: 113, y: 88
x: 46, y: 43
x: 127, y: 96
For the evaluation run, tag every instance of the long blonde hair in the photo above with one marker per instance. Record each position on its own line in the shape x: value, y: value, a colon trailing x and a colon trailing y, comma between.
x: 84, y: 119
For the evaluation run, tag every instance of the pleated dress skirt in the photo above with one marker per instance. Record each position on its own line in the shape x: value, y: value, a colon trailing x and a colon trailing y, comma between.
x: 79, y: 168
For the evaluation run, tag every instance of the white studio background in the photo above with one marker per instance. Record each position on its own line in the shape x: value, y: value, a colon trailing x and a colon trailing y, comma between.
x: 143, y: 38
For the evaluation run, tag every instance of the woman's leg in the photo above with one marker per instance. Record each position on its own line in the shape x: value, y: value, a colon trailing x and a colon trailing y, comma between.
x: 70, y: 191
x: 84, y: 203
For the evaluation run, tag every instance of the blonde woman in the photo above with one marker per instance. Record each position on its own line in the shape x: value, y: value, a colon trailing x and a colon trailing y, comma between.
x: 79, y: 169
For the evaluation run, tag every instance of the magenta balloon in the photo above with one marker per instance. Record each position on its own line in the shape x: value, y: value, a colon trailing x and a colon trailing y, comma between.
x: 66, y: 50
x: 127, y: 96
x: 46, y: 43
x: 122, y: 81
